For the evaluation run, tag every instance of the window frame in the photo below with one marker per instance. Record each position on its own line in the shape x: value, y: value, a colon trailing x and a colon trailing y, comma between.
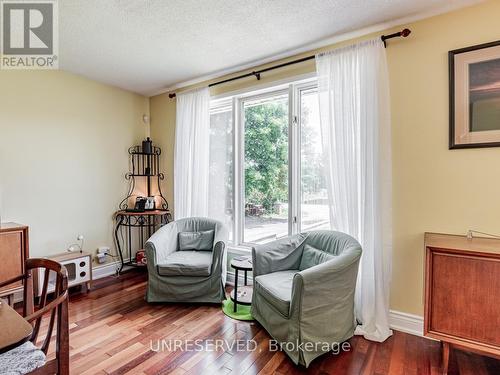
x: 292, y: 87
x: 298, y: 89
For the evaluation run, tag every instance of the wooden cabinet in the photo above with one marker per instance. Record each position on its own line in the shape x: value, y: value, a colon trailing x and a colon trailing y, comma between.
x: 462, y: 293
x: 13, y: 253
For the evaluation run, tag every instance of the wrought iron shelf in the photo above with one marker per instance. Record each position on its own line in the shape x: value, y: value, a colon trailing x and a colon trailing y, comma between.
x: 133, y: 152
x: 143, y: 175
x: 137, y: 150
x: 134, y: 228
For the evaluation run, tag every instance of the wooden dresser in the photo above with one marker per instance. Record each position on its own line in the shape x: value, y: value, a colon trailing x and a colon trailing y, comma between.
x: 462, y: 293
x: 14, y: 250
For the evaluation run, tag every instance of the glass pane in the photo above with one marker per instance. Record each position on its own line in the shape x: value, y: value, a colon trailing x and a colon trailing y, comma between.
x: 221, y: 166
x: 266, y: 169
x: 314, y: 196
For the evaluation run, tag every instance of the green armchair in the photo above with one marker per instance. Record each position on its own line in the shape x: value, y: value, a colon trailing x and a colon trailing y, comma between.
x: 304, y: 291
x: 193, y: 274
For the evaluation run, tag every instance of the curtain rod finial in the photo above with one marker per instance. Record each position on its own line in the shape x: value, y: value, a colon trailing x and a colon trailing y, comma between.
x: 171, y: 95
x: 403, y: 33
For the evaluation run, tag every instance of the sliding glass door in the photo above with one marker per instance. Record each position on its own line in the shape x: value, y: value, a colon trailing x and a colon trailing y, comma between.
x: 267, y: 164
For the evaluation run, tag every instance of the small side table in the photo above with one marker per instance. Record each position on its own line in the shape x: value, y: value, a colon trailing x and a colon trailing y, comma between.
x: 241, y: 295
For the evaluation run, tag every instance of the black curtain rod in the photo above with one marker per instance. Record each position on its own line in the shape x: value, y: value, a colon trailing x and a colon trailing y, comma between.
x: 403, y: 33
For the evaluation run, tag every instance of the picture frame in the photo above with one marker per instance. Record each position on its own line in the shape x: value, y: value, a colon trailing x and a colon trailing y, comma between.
x: 474, y: 93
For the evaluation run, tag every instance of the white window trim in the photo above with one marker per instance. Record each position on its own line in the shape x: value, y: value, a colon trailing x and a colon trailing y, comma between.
x: 298, y: 88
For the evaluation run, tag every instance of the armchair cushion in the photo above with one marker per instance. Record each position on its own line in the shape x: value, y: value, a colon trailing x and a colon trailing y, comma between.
x: 312, y: 257
x: 21, y: 360
x: 203, y: 240
x: 280, y: 255
x: 186, y: 263
x: 276, y: 288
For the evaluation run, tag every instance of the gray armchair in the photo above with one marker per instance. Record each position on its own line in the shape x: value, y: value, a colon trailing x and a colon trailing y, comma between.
x: 304, y: 291
x: 188, y: 275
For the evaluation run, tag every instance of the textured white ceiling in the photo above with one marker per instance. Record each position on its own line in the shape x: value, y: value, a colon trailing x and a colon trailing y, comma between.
x: 147, y: 45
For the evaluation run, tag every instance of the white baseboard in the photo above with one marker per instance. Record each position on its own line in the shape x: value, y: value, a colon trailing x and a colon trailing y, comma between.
x: 108, y: 269
x: 408, y: 323
x: 398, y: 320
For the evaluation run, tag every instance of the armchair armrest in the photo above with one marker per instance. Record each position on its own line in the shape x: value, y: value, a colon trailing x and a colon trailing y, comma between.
x: 218, y: 256
x: 150, y: 250
x: 323, y: 296
x: 280, y: 255
x: 162, y: 243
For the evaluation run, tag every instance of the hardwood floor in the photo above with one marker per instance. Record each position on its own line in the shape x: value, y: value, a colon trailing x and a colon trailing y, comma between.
x: 114, y: 331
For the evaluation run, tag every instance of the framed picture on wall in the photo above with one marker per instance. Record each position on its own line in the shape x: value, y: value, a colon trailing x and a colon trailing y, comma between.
x: 475, y: 96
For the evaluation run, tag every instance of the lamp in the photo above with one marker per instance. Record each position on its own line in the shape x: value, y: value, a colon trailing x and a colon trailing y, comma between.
x: 77, y: 246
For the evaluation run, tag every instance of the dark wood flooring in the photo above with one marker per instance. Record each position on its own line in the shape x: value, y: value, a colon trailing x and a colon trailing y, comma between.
x: 113, y: 331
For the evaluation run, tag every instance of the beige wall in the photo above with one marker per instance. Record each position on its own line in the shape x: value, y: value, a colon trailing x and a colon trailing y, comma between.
x: 434, y: 189
x: 162, y: 111
x: 63, y: 155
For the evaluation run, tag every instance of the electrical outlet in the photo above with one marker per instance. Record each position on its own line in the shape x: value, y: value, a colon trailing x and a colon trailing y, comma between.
x: 101, y: 258
x: 103, y: 250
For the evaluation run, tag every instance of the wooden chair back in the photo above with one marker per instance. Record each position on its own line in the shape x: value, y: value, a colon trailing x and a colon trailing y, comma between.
x: 54, y: 308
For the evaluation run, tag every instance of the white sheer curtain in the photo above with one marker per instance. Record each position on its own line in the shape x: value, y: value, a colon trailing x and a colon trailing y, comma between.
x: 221, y: 164
x: 191, y: 160
x: 355, y: 127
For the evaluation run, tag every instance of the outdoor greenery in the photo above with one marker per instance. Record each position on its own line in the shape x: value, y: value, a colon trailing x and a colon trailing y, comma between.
x: 266, y: 159
x: 312, y: 177
x: 266, y: 141
x: 266, y: 154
